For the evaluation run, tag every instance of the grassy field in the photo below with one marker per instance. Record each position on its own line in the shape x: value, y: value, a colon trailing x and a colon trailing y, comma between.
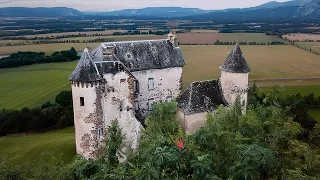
x: 210, y: 38
x: 315, y: 113
x: 314, y: 46
x: 302, y: 37
x: 33, y: 85
x: 202, y: 62
x: 27, y: 149
x: 293, y: 90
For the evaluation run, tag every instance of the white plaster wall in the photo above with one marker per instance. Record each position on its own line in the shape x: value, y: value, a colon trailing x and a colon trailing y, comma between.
x: 118, y: 93
x: 233, y: 85
x: 166, y: 83
x: 192, y: 122
x: 81, y: 112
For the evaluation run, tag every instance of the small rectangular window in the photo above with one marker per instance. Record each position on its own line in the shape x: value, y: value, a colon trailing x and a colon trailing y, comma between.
x: 100, y: 132
x: 150, y: 102
x: 81, y: 101
x: 136, y: 105
x: 150, y: 83
x: 169, y: 99
x: 136, y: 86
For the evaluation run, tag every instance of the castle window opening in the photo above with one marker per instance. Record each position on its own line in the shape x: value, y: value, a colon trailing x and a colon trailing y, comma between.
x: 136, y: 105
x: 150, y: 84
x: 150, y: 102
x: 136, y: 86
x: 81, y: 101
x: 100, y: 132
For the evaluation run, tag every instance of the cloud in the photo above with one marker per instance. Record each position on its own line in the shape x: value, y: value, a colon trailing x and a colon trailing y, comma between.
x: 108, y: 5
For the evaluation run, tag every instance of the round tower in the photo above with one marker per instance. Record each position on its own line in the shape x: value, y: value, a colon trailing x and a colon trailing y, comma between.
x: 234, y: 77
x: 86, y: 84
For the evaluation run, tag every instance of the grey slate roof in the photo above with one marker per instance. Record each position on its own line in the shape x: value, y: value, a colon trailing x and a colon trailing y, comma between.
x: 201, y: 97
x: 143, y: 55
x: 235, y: 62
x: 85, y: 70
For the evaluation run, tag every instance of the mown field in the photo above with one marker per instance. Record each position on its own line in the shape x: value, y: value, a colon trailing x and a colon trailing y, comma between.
x: 197, y: 37
x: 31, y: 86
x: 34, y: 85
x: 302, y: 37
x: 211, y: 38
x: 309, y: 46
x: 27, y: 149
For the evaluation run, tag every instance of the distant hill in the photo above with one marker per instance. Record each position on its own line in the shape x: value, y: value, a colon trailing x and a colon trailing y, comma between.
x: 38, y: 12
x: 294, y: 9
x: 157, y: 12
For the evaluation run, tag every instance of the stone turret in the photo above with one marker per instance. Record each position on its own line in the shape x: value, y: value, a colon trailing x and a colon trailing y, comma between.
x: 87, y: 85
x: 234, y: 77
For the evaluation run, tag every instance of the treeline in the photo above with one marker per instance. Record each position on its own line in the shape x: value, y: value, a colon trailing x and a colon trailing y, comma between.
x: 61, y: 41
x: 250, y: 43
x: 28, y: 58
x: 39, y: 119
x: 295, y: 106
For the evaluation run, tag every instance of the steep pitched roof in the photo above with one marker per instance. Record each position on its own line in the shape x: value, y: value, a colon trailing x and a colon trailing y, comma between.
x: 85, y: 70
x: 235, y: 62
x: 143, y: 55
x: 201, y: 97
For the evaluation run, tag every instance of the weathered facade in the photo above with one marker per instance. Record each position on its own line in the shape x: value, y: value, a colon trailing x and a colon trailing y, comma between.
x: 120, y: 81
x: 204, y: 97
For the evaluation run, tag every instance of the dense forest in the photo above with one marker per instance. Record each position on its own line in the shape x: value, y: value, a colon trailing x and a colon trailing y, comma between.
x: 28, y: 58
x: 39, y: 119
x: 268, y: 142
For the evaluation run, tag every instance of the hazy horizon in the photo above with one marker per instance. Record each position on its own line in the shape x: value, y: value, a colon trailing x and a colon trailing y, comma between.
x: 99, y: 5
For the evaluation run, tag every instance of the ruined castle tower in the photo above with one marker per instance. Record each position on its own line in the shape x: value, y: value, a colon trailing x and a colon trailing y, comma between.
x: 85, y: 83
x: 234, y: 77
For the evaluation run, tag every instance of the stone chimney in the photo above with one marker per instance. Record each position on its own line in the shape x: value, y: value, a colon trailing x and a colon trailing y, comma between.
x: 108, y: 52
x: 173, y: 38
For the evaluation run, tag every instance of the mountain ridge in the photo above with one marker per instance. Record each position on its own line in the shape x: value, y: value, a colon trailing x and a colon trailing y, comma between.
x: 294, y: 9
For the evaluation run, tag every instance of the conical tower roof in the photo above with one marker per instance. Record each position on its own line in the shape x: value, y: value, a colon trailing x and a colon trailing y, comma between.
x: 85, y: 70
x: 235, y: 62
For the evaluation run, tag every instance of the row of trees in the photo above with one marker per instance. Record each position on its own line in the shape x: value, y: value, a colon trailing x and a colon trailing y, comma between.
x: 32, y: 120
x: 249, y: 43
x: 28, y: 58
x: 265, y: 143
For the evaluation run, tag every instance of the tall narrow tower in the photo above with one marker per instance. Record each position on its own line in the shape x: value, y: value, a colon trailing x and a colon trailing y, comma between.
x: 234, y: 77
x: 88, y: 121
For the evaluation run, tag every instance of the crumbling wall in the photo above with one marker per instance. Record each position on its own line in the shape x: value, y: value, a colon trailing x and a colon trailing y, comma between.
x: 234, y: 85
x: 118, y: 105
x: 87, y: 118
x: 167, y: 83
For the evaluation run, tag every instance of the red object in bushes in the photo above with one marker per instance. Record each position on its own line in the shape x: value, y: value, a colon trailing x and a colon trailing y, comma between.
x: 180, y: 144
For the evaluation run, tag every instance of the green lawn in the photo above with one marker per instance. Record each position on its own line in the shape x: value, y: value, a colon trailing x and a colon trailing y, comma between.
x: 27, y: 149
x: 31, y: 86
x: 315, y: 113
x: 292, y: 90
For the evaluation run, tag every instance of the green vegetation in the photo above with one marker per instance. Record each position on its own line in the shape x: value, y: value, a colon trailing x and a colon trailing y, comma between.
x: 315, y: 113
x: 27, y: 149
x: 293, y: 90
x: 31, y: 86
x: 34, y: 85
x: 28, y: 58
x: 265, y: 143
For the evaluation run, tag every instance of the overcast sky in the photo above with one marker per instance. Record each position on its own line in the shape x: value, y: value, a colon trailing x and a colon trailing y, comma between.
x: 108, y: 5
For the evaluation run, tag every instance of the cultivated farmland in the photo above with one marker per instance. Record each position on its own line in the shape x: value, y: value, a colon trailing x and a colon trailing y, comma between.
x: 302, y: 37
x: 33, y: 85
x: 309, y: 46
x: 211, y: 38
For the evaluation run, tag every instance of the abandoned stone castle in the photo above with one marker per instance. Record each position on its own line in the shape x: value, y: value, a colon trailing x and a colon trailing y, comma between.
x: 121, y: 80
